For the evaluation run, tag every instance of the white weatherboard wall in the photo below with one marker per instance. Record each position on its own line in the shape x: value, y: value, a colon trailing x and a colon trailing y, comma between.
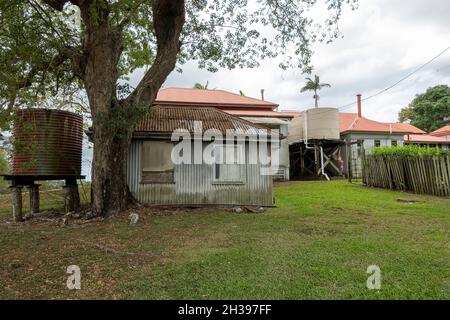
x: 195, y: 185
x: 369, y: 145
x: 282, y: 126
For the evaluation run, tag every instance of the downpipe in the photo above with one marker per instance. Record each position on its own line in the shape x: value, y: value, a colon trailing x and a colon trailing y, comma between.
x: 321, y: 165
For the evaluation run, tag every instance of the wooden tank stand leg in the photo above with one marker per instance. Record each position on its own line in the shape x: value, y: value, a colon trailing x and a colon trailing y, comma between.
x: 34, y: 198
x: 71, y: 196
x: 17, y: 203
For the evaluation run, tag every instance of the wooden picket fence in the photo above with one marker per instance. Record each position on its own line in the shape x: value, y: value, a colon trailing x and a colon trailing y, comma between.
x: 423, y: 175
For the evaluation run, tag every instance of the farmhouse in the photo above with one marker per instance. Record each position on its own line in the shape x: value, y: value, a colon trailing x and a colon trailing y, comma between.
x: 200, y: 156
x: 257, y: 111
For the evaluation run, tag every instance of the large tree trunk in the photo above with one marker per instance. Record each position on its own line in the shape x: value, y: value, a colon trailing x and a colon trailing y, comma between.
x: 110, y: 191
x: 113, y: 120
x: 111, y: 135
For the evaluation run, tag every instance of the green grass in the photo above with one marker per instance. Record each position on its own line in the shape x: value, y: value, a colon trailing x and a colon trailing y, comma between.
x: 317, y: 244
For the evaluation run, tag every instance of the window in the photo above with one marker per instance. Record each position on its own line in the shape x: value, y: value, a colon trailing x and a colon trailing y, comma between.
x: 157, y: 165
x: 394, y: 143
x: 377, y: 143
x: 229, y: 166
x: 359, y: 147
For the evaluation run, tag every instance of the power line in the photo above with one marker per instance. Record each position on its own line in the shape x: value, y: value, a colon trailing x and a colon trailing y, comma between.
x: 399, y: 81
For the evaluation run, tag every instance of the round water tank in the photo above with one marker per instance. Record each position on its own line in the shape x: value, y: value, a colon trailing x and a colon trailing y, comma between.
x: 322, y: 123
x: 47, y: 143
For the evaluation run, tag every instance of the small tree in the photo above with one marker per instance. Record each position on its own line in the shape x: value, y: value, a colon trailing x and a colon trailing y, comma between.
x: 428, y: 111
x: 315, y: 85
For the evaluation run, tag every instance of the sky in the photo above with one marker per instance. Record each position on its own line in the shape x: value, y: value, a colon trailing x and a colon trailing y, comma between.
x: 384, y: 40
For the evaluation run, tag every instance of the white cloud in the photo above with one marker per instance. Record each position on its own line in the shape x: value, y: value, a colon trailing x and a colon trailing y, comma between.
x: 384, y: 40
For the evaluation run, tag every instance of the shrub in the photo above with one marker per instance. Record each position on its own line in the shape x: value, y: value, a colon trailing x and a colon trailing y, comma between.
x: 409, y: 151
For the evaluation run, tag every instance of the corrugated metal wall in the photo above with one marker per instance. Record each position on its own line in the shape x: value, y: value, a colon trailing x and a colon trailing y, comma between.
x: 194, y: 185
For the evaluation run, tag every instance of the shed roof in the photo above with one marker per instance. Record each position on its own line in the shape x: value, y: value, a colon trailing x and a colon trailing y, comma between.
x: 444, y: 131
x: 167, y: 119
x: 207, y: 97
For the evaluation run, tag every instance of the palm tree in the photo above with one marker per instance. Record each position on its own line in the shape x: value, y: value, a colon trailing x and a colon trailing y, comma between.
x: 314, y: 85
x: 201, y: 86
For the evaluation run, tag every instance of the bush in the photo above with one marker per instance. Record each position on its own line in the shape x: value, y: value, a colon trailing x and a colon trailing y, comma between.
x: 409, y: 151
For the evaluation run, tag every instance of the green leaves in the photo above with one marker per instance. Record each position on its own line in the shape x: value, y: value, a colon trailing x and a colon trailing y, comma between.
x: 409, y: 151
x: 217, y: 34
x: 32, y: 36
x: 428, y: 110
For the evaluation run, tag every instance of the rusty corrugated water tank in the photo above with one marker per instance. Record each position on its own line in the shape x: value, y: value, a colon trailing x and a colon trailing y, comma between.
x: 47, y: 143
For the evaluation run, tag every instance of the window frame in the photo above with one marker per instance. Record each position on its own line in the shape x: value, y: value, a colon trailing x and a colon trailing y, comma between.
x: 242, y: 167
x: 166, y: 176
x: 375, y: 143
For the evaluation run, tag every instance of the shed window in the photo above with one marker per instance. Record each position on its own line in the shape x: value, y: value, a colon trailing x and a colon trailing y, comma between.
x: 377, y: 143
x: 394, y: 143
x: 229, y: 166
x: 157, y: 165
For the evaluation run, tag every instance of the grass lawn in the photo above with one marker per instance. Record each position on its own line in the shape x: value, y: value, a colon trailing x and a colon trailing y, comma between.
x: 317, y: 244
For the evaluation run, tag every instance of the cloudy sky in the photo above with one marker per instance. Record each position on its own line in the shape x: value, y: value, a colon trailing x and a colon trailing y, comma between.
x: 384, y: 40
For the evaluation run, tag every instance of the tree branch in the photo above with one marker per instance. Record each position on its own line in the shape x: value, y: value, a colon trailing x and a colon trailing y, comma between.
x: 126, y: 20
x: 56, y: 4
x: 64, y: 54
x: 168, y: 21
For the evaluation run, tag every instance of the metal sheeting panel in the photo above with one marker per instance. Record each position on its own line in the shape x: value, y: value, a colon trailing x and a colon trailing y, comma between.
x: 194, y: 185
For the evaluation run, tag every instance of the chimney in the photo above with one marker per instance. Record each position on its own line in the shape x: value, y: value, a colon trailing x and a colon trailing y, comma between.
x: 262, y: 94
x: 359, y: 105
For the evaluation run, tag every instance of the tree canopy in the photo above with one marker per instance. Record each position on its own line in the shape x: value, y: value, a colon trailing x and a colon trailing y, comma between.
x: 429, y: 110
x: 43, y: 48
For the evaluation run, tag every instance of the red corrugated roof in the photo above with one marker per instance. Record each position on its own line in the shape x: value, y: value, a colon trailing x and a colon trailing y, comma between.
x: 166, y: 119
x: 203, y: 97
x: 406, y: 127
x: 292, y: 113
x: 426, y: 138
x: 257, y: 113
x: 350, y: 122
x: 444, y: 131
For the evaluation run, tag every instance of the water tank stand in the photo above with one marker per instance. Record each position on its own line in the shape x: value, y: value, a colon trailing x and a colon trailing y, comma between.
x: 17, y: 203
x: 33, y: 191
x: 70, y: 192
x: 71, y: 196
